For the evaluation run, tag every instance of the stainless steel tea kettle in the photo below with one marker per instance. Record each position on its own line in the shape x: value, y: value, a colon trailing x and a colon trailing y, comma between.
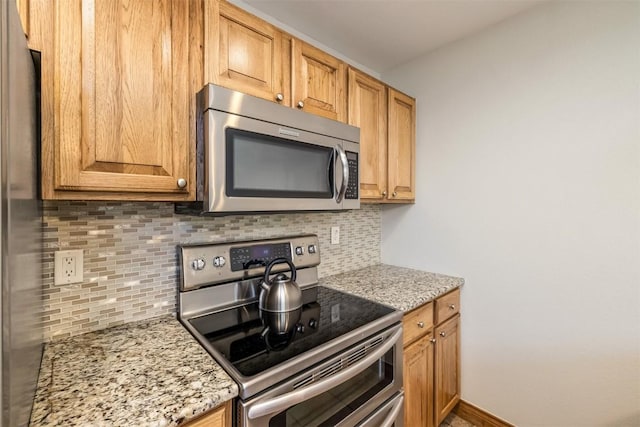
x: 280, y: 300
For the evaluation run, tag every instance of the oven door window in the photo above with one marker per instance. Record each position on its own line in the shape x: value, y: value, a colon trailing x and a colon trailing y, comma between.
x: 338, y: 403
x: 265, y: 166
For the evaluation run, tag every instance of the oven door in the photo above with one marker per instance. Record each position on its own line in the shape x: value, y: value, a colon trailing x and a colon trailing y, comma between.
x: 345, y: 390
x: 253, y: 165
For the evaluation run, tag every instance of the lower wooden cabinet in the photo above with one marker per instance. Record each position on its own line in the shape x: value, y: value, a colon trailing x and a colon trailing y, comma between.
x: 431, y: 365
x: 447, y: 367
x: 218, y: 417
x: 418, y: 382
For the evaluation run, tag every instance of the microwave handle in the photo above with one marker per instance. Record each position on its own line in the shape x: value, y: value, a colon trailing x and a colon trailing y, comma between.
x: 292, y: 398
x: 345, y: 173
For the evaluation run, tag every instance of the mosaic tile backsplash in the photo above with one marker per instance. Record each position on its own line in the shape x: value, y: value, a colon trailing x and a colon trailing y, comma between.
x: 130, y: 257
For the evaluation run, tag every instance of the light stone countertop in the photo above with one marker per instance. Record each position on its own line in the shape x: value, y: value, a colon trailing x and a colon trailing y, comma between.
x: 148, y: 373
x: 154, y: 373
x: 399, y: 287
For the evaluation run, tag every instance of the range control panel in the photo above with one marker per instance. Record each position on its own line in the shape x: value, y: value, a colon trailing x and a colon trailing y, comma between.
x: 204, y: 265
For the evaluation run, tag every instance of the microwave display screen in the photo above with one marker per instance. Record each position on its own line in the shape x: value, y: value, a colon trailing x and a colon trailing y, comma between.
x: 265, y: 166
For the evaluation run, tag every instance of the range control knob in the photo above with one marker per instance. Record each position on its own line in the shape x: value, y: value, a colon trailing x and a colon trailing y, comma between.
x: 198, y: 264
x: 313, y: 323
x: 300, y: 328
x: 299, y: 250
x: 312, y: 249
x: 219, y: 261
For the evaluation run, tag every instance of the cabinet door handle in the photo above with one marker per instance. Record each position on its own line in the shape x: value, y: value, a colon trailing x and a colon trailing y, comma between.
x: 300, y: 104
x: 384, y: 193
x: 432, y: 340
x: 421, y: 324
x: 394, y: 194
x: 442, y: 334
x: 182, y: 182
x: 279, y: 97
x: 452, y: 306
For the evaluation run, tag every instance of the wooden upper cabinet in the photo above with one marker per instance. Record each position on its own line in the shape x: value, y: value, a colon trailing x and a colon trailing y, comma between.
x: 123, y: 103
x: 244, y: 53
x: 402, y: 146
x: 318, y: 82
x: 368, y: 111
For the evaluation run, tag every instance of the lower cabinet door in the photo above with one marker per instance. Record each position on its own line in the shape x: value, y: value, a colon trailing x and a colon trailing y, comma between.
x: 447, y: 369
x: 418, y: 383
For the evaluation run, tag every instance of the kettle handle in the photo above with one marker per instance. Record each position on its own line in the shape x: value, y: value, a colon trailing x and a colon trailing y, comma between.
x: 267, y: 271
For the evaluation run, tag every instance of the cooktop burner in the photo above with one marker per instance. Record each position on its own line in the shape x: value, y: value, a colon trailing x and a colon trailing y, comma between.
x: 236, y: 333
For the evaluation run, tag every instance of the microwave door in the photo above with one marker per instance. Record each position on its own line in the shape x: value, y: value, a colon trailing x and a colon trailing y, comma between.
x: 258, y: 166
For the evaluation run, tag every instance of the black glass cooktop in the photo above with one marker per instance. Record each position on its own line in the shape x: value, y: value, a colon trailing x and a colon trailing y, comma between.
x: 237, y: 333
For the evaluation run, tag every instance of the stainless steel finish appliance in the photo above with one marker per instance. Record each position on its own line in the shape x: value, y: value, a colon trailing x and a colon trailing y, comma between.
x: 340, y: 366
x: 255, y: 155
x: 20, y: 224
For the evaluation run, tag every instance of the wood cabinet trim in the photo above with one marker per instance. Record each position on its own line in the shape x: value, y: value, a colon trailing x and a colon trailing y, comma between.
x: 479, y: 417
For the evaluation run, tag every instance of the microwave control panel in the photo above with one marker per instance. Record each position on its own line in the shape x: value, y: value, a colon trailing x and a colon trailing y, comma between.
x: 353, y: 185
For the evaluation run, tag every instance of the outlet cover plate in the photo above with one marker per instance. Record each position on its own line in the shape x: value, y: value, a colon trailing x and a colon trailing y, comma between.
x: 335, y: 235
x: 69, y: 267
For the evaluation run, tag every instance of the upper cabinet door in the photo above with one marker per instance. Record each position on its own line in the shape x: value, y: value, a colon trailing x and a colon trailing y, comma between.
x: 368, y: 111
x: 243, y: 52
x: 319, y: 82
x: 122, y: 98
x: 402, y: 143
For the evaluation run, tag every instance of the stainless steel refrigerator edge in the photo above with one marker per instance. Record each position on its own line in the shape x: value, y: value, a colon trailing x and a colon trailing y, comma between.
x: 21, y: 224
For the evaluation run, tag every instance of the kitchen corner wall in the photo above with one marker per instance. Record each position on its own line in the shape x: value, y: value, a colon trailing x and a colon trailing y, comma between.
x: 528, y: 186
x: 130, y: 258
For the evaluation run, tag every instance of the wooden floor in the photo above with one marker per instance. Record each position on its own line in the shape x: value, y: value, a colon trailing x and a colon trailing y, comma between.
x: 453, y: 420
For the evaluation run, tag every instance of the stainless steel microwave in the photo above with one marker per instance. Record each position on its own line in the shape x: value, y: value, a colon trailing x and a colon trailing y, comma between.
x: 257, y: 156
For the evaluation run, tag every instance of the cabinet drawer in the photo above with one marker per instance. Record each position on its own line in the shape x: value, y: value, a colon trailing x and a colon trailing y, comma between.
x: 417, y: 322
x: 447, y: 306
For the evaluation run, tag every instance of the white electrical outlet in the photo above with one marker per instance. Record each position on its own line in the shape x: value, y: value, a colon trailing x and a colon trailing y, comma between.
x: 68, y: 267
x: 335, y: 235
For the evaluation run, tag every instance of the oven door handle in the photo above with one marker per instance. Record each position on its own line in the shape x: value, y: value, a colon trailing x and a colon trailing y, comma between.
x: 280, y: 403
x: 393, y: 414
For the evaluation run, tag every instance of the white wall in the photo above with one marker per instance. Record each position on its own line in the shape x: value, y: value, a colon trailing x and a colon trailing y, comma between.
x: 528, y: 185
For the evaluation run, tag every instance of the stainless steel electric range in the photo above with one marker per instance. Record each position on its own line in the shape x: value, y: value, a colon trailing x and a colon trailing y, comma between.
x: 341, y: 365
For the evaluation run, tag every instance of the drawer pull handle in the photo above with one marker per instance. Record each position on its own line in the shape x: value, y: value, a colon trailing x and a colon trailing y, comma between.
x: 442, y: 334
x: 420, y: 324
x: 452, y: 306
